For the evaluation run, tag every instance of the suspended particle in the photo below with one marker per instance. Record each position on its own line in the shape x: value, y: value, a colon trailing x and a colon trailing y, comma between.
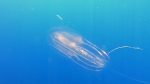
x: 59, y: 17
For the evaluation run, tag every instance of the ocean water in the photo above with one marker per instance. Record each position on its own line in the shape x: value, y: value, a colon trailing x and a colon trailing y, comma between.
x: 26, y: 56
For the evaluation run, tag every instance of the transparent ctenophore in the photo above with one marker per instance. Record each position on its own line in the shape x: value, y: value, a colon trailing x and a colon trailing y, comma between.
x: 85, y: 53
x: 80, y: 50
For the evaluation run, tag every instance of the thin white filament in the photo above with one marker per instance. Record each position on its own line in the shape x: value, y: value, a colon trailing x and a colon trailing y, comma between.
x: 121, y: 47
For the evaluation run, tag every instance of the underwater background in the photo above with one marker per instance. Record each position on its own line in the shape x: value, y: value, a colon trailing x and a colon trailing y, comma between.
x: 26, y: 56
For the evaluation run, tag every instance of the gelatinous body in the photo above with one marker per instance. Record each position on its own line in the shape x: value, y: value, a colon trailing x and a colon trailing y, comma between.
x: 85, y: 53
x: 80, y: 50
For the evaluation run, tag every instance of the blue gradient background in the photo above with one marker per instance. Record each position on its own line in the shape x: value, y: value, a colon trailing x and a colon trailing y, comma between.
x: 27, y: 58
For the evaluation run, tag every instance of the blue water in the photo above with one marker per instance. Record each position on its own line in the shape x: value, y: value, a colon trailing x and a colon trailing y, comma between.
x: 26, y: 56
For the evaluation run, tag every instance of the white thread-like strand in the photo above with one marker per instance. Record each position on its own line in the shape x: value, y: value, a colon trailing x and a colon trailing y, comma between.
x: 136, y: 48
